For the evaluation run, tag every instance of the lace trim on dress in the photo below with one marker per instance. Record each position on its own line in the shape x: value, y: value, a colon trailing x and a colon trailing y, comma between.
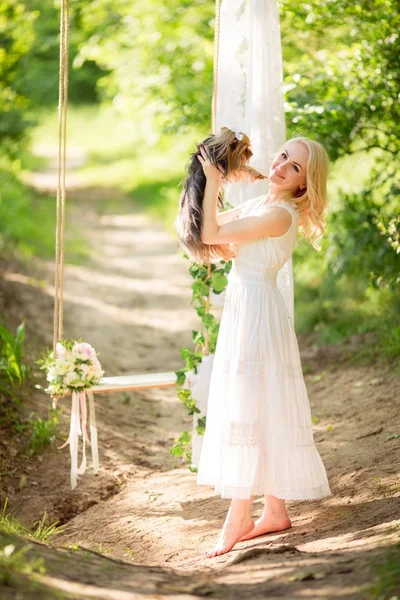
x: 243, y: 434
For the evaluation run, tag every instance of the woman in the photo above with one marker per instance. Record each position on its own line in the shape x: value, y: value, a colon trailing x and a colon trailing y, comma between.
x: 259, y: 437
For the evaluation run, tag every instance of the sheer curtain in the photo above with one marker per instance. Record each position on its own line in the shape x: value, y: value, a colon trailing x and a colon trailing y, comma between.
x: 250, y: 95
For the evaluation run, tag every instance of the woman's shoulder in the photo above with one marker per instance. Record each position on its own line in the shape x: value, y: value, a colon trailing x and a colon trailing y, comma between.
x: 286, y: 204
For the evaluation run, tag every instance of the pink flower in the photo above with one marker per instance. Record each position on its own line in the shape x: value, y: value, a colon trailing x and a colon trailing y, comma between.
x: 84, y: 350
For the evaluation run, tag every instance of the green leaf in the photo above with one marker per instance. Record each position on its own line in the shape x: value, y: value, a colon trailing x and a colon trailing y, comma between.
x: 218, y: 281
x: 185, y: 437
x: 176, y: 450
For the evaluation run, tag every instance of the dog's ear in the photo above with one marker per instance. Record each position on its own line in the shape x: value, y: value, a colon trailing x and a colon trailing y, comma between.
x: 246, y: 174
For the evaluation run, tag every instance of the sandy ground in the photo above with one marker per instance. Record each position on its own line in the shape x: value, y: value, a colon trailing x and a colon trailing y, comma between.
x: 144, y: 512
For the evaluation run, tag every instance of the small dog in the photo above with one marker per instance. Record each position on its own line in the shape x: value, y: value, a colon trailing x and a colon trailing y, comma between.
x: 231, y: 152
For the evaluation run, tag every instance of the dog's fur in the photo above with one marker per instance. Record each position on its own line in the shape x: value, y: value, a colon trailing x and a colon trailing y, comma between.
x: 232, y: 155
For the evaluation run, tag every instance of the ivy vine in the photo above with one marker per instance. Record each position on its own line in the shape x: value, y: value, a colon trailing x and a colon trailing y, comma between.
x: 207, y: 279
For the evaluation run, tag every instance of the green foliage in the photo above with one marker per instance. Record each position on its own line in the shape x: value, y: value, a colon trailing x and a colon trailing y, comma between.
x: 11, y: 355
x: 212, y: 278
x: 182, y: 446
x: 386, y: 585
x: 352, y: 286
x: 205, y: 280
x: 341, y: 65
x: 365, y: 232
x: 27, y: 220
x: 13, y: 561
x: 13, y: 373
x: 9, y: 524
x: 16, y: 39
x: 188, y: 401
x: 192, y: 359
x: 201, y: 425
x: 39, y: 67
x: 43, y: 532
x: 157, y: 57
x: 40, y: 531
x: 43, y: 432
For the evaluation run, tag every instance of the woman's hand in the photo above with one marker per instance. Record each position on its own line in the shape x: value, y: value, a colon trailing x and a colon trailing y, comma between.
x: 212, y: 173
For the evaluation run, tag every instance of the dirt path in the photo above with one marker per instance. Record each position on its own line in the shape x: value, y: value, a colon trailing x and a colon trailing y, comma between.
x: 131, y: 301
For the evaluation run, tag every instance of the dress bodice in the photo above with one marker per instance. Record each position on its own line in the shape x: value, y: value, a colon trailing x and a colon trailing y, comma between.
x: 267, y: 260
x: 270, y: 253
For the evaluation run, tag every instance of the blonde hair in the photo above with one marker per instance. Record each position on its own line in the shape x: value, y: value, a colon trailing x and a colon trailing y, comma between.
x: 312, y: 202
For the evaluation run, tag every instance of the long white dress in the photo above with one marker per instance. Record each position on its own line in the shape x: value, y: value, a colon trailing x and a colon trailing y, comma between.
x: 259, y: 437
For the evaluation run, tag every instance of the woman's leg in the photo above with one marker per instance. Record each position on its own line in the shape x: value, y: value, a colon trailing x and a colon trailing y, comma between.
x: 274, y: 518
x: 238, y: 523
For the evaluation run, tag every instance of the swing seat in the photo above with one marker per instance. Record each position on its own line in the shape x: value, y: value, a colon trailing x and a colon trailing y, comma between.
x: 124, y: 383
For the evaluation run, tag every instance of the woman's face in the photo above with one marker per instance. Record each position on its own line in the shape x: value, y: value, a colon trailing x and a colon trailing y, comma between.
x: 288, y: 169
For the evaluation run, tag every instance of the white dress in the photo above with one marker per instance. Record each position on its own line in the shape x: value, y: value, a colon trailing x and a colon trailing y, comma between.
x: 259, y: 437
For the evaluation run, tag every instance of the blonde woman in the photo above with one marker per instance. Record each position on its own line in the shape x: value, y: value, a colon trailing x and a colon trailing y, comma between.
x: 259, y: 438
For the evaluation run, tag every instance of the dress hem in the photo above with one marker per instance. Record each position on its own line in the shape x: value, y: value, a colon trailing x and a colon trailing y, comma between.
x: 324, y: 491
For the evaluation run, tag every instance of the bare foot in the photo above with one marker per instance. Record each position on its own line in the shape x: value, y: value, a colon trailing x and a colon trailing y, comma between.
x: 268, y: 524
x: 232, y: 531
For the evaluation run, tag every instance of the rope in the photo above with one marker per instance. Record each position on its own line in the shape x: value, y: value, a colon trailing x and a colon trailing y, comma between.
x: 61, y: 192
x: 216, y: 61
x: 206, y: 350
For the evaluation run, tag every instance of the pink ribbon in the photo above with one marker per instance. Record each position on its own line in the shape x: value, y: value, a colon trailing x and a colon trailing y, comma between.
x: 75, y: 430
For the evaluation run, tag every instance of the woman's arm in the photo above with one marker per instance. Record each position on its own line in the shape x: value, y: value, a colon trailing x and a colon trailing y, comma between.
x: 234, y: 213
x: 229, y: 215
x: 273, y: 223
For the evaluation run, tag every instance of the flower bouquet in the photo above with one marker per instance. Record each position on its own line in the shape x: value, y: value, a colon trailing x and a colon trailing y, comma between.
x: 74, y: 369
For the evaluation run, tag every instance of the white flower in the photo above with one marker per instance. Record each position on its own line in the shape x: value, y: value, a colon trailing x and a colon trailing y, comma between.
x: 84, y: 370
x: 52, y: 390
x: 62, y: 366
x: 52, y: 373
x: 61, y: 351
x: 70, y: 377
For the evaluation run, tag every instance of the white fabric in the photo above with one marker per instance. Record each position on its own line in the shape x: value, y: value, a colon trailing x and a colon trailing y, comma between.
x: 259, y: 437
x: 250, y: 95
x: 199, y: 385
x: 250, y: 99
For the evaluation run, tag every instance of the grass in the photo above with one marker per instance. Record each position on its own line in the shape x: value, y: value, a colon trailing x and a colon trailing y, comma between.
x: 13, y: 373
x: 21, y: 571
x: 15, y: 561
x: 12, y: 366
x: 27, y: 221
x: 334, y: 308
x: 43, y: 432
x: 39, y: 531
x: 386, y: 585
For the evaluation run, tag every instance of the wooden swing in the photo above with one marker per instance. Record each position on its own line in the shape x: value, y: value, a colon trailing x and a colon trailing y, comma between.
x: 119, y: 383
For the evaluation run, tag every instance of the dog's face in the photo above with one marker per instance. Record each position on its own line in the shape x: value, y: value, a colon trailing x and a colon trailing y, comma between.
x: 247, y: 154
x: 241, y: 160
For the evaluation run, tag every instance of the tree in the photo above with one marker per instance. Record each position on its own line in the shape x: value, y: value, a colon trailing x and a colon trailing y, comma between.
x: 342, y: 73
x: 16, y: 39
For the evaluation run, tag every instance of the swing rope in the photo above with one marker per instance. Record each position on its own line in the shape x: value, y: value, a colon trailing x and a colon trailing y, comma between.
x: 61, y: 173
x: 216, y: 61
x: 113, y: 383
x: 206, y: 350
